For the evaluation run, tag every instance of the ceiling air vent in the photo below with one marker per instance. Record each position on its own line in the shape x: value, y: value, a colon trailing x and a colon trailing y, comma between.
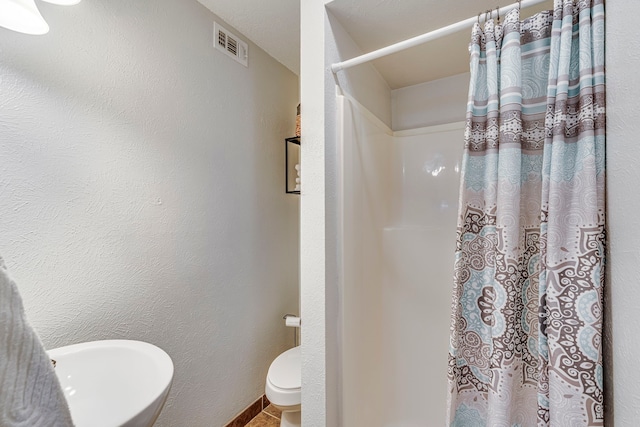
x: 229, y: 44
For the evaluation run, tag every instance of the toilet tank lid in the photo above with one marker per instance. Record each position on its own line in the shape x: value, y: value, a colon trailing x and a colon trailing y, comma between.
x: 285, y: 371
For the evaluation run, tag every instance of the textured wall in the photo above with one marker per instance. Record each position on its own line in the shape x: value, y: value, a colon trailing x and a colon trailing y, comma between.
x: 623, y: 175
x: 141, y: 185
x: 312, y: 218
x: 269, y: 24
x: 320, y: 279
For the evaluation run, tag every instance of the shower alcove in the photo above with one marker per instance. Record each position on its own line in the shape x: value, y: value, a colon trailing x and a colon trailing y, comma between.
x: 393, y: 158
x: 399, y: 203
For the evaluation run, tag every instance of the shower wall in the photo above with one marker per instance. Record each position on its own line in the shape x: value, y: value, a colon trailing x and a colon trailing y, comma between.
x: 399, y: 205
x: 367, y: 148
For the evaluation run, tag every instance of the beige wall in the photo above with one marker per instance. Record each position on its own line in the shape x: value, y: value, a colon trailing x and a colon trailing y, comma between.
x: 622, y: 342
x: 142, y: 194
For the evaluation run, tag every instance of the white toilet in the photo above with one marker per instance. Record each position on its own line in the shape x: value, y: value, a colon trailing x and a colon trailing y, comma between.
x: 283, y: 386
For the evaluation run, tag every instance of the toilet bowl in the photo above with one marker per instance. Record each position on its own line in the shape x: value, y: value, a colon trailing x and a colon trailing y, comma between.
x: 283, y: 386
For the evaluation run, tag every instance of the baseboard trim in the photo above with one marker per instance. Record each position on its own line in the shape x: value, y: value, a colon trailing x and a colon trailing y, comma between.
x: 249, y: 413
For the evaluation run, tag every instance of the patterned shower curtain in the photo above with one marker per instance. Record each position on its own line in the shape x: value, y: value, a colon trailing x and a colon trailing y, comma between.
x: 526, y: 331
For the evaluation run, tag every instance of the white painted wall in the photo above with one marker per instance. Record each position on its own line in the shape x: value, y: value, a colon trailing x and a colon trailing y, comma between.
x: 320, y: 256
x: 432, y: 103
x: 315, y: 306
x: 142, y: 194
x: 623, y: 153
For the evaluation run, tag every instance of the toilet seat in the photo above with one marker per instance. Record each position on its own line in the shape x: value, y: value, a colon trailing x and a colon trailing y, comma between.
x: 284, y: 379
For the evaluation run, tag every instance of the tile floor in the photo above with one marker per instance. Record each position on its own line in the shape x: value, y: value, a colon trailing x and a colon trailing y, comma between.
x: 269, y: 417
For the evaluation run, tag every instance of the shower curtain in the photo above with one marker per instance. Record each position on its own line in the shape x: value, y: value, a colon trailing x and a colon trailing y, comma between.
x: 526, y: 326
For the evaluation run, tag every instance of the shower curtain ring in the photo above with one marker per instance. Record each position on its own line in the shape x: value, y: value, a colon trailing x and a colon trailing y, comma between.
x: 498, y: 13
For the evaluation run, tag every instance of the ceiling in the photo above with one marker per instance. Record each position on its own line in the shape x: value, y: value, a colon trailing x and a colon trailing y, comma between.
x: 374, y: 24
x: 274, y: 25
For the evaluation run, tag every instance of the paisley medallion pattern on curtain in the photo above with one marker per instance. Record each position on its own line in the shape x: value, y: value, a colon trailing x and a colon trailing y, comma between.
x: 526, y: 328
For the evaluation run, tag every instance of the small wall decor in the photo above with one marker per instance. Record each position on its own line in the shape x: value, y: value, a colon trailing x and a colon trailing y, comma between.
x: 292, y: 165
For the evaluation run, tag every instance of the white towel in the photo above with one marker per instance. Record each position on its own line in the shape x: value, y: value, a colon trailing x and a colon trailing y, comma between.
x: 30, y: 394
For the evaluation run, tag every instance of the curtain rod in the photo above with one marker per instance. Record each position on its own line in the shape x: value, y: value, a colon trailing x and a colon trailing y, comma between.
x: 424, y: 38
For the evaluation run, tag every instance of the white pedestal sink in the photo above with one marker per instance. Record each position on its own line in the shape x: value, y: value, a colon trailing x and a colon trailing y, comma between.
x: 114, y: 383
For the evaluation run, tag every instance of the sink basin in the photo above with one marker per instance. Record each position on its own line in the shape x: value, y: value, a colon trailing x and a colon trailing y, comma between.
x: 114, y: 383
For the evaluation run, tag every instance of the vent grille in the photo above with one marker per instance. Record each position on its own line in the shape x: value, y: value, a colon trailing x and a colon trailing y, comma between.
x: 230, y: 44
x: 222, y: 38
